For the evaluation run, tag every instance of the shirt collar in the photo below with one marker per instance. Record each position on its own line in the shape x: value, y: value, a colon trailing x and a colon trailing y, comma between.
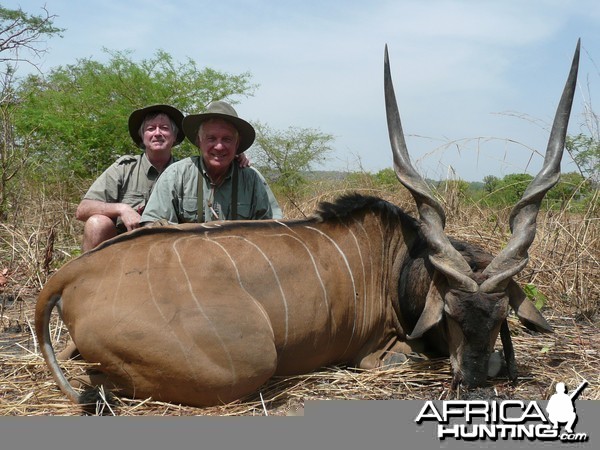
x: 205, y: 173
x: 147, y: 165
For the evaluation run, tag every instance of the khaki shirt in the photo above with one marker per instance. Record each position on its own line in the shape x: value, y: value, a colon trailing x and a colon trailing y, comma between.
x: 175, y: 195
x: 128, y: 180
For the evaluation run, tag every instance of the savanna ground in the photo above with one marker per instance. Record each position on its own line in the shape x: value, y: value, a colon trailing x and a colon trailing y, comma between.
x: 41, y: 234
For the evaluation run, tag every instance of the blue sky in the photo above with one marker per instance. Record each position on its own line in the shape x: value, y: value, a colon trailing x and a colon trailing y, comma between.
x: 477, y: 81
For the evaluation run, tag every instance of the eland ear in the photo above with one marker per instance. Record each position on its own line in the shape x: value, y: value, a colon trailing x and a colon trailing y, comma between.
x: 526, y: 310
x: 433, y: 311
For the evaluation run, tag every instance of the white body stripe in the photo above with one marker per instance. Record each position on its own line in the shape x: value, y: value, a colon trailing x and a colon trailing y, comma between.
x: 354, y: 293
x: 199, y: 306
x: 283, y: 297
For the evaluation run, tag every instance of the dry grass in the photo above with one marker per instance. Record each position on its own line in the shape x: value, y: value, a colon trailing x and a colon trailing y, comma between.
x: 564, y: 265
x: 570, y: 355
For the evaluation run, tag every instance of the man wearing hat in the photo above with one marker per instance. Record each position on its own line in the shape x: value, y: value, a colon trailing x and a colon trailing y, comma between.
x: 115, y: 201
x: 210, y: 187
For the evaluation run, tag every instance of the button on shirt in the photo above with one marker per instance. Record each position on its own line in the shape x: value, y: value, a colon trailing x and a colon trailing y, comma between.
x: 175, y: 195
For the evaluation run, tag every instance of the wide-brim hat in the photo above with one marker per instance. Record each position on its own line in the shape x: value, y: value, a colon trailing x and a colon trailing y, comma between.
x: 137, y: 118
x: 220, y: 110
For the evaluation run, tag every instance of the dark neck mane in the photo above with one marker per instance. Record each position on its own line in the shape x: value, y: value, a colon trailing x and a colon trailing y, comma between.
x: 349, y: 206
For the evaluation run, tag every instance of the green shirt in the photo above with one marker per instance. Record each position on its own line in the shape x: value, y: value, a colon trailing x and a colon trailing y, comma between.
x: 128, y: 180
x: 175, y: 195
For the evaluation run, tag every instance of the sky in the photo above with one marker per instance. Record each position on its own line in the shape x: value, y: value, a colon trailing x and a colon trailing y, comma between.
x: 477, y: 81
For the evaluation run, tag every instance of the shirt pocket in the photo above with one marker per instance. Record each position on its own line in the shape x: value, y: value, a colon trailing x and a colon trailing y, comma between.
x: 189, y: 209
x: 244, y: 211
x: 134, y: 199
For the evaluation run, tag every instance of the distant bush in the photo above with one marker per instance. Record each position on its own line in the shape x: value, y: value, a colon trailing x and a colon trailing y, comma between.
x: 504, y: 192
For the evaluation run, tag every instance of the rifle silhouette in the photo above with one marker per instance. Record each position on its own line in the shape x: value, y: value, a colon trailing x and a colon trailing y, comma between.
x: 577, y: 391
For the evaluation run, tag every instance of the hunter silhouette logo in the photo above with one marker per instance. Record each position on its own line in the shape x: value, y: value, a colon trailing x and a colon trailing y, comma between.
x: 561, y: 408
x: 508, y: 419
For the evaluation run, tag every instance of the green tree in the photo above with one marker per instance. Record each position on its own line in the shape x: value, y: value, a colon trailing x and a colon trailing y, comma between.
x: 387, y: 178
x: 490, y: 183
x: 513, y: 187
x: 22, y: 34
x: 572, y: 187
x: 585, y: 151
x: 21, y: 40
x: 284, y: 155
x: 507, y: 191
x: 77, y: 114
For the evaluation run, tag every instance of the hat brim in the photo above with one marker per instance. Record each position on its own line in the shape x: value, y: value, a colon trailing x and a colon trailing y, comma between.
x: 137, y: 118
x: 247, y: 134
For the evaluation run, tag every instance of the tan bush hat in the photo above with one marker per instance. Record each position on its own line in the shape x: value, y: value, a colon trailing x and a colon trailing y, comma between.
x: 225, y: 111
x: 137, y: 118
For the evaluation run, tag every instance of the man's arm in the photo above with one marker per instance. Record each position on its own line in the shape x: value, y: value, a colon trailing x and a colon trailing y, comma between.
x: 87, y: 208
x: 275, y: 208
x: 262, y: 206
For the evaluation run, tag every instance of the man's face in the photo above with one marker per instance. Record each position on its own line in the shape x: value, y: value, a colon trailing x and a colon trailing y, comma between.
x: 219, y: 142
x: 158, y: 134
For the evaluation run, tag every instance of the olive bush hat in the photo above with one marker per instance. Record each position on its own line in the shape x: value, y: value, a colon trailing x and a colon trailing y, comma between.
x: 137, y: 118
x: 220, y: 110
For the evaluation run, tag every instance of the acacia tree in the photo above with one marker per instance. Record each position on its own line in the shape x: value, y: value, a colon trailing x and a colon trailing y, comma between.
x: 22, y: 35
x: 284, y: 155
x: 77, y: 114
x: 585, y: 151
x: 21, y: 40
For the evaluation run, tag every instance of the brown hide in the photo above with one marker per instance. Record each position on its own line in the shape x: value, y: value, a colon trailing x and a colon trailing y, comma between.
x: 201, y: 315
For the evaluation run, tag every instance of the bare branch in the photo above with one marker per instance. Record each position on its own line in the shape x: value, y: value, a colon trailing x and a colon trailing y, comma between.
x: 21, y: 32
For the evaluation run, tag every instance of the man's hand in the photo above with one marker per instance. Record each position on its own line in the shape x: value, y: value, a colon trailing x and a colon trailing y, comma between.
x: 243, y: 160
x: 131, y: 217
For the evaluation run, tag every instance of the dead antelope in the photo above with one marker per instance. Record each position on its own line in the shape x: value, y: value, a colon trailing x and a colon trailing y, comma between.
x: 202, y: 314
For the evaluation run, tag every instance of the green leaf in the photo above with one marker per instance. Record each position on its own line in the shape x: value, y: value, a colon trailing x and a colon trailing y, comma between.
x: 534, y: 294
